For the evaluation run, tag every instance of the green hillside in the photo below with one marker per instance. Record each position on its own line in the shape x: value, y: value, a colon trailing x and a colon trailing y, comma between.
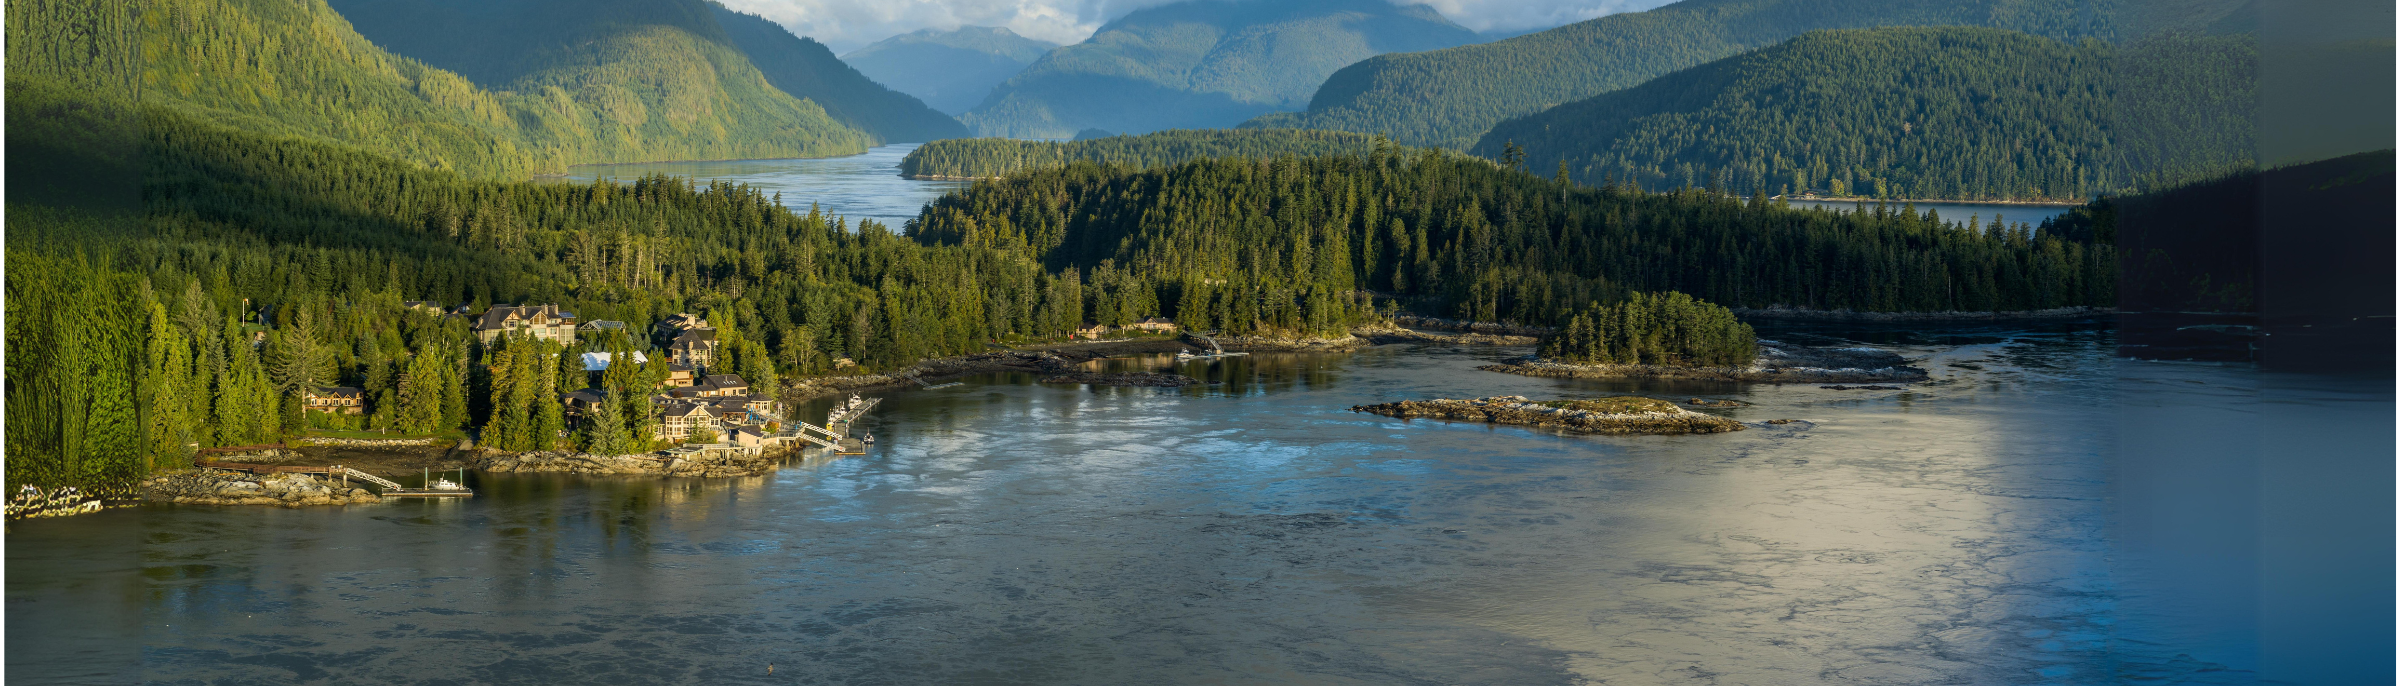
x: 1953, y: 113
x: 950, y: 70
x: 1463, y: 237
x: 1202, y: 64
x: 1449, y: 98
x: 611, y: 80
x: 991, y: 157
x: 805, y: 68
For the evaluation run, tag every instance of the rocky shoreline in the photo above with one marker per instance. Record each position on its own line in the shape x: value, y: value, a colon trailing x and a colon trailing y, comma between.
x: 703, y: 465
x: 1621, y: 416
x: 211, y: 487
x: 1390, y: 335
x: 1776, y: 363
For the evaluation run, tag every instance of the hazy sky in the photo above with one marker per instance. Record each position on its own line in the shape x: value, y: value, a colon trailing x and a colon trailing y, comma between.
x: 846, y: 25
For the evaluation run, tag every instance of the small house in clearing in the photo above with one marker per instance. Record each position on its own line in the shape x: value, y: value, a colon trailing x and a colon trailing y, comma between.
x: 1153, y: 325
x: 337, y: 399
x: 1091, y: 331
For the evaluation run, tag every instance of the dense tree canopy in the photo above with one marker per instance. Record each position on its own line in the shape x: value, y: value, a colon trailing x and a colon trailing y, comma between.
x: 1449, y: 98
x: 1950, y: 113
x: 1468, y: 238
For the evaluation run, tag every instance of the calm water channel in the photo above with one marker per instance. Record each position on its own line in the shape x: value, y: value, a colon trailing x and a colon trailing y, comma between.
x: 1983, y: 528
x: 856, y: 187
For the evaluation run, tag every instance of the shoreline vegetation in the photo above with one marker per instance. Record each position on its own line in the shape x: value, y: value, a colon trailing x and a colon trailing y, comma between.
x: 1618, y: 416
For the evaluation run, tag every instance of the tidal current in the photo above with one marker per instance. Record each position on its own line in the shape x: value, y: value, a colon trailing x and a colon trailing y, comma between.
x: 1983, y: 528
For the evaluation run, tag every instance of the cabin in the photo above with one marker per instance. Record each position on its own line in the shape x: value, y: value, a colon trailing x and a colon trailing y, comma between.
x: 426, y: 306
x: 679, y: 375
x: 541, y: 322
x: 1153, y: 325
x: 724, y: 385
x: 678, y: 323
x: 336, y: 399
x: 584, y: 401
x: 1093, y: 331
x: 599, y: 327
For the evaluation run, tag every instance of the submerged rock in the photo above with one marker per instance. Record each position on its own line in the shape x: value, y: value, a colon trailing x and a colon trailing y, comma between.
x: 1618, y: 416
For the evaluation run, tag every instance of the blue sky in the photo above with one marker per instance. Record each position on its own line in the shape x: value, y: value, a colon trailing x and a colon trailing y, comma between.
x: 847, y: 25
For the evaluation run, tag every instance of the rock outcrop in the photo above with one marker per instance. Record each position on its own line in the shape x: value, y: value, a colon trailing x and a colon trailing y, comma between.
x: 206, y: 487
x: 703, y: 464
x: 1776, y: 363
x: 1609, y: 416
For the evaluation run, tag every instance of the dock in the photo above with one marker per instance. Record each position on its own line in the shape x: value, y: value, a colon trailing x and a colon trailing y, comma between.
x: 384, y: 487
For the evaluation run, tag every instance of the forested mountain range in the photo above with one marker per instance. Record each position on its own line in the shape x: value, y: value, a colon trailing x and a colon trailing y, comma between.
x: 966, y: 158
x: 805, y: 68
x: 1450, y: 98
x: 199, y: 275
x: 950, y: 70
x: 1202, y: 64
x: 657, y: 69
x: 1953, y: 113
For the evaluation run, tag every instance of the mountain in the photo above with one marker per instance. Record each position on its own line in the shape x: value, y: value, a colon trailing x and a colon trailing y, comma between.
x: 1954, y: 113
x: 805, y: 68
x: 949, y: 70
x: 1449, y: 98
x: 1202, y: 64
x: 628, y: 80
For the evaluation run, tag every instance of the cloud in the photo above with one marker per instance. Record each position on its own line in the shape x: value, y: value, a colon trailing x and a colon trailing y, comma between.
x: 846, y: 25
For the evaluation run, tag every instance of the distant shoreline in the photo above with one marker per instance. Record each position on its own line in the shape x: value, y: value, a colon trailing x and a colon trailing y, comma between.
x: 1904, y: 201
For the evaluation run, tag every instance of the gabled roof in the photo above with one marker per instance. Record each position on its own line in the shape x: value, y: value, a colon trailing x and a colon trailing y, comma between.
x: 691, y: 335
x: 598, y: 324
x: 340, y: 392
x: 725, y: 381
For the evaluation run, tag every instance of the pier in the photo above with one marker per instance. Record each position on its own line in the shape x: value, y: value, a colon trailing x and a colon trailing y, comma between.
x: 384, y: 487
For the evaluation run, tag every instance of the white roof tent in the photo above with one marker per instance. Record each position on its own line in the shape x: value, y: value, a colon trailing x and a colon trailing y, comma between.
x: 598, y: 362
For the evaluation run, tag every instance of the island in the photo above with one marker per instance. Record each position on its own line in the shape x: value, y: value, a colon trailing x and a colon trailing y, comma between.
x: 1618, y: 416
x: 1776, y: 362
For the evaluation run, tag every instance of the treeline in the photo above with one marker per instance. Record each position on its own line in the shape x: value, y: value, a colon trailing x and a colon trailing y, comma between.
x: 1450, y: 98
x: 281, y: 263
x: 1653, y: 328
x: 993, y: 157
x: 1951, y: 113
x: 1466, y: 238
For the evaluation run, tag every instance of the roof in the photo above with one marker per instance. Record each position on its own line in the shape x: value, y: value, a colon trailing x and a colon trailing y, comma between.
x: 598, y: 362
x: 499, y: 314
x: 589, y: 395
x: 597, y: 324
x: 1156, y: 320
x: 340, y: 391
x: 726, y: 381
x: 709, y: 335
x: 678, y: 367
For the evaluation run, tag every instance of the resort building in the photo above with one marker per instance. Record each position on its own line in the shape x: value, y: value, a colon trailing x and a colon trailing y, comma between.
x: 542, y: 322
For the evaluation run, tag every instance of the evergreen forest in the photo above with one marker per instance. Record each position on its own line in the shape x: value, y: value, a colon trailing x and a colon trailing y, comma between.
x: 1466, y: 238
x: 1450, y: 98
x: 1952, y: 113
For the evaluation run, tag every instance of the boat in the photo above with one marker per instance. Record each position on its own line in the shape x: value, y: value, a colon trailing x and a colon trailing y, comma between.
x: 869, y: 439
x: 445, y: 485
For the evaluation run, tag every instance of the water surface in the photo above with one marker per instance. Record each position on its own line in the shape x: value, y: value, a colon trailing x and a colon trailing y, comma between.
x: 865, y: 186
x: 1256, y: 531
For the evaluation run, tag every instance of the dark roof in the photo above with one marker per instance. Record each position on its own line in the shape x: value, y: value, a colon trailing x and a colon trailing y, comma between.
x: 604, y: 324
x: 726, y: 381
x: 340, y: 391
x: 589, y: 395
x: 696, y: 335
x: 678, y: 367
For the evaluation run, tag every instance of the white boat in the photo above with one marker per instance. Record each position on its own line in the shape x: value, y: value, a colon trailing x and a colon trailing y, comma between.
x: 445, y: 485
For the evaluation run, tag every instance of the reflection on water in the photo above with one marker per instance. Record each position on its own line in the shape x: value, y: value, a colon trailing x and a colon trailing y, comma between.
x: 1251, y: 530
x: 1959, y: 213
x: 865, y: 186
